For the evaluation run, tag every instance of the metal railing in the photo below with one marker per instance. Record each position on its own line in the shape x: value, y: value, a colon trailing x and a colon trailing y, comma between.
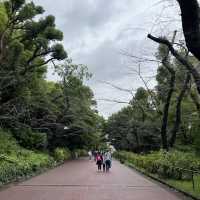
x: 194, y: 177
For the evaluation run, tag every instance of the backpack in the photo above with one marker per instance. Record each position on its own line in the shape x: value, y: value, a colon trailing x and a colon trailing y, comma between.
x: 98, y: 158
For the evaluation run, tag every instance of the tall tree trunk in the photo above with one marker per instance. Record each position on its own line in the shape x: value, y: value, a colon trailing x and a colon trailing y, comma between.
x: 190, y: 13
x: 167, y: 65
x: 137, y: 140
x: 195, y: 100
x: 166, y: 111
x: 185, y: 137
x: 178, y: 110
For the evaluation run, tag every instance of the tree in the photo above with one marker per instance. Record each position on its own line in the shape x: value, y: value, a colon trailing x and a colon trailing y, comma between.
x: 186, y: 63
x: 178, y: 110
x: 34, y: 109
x: 165, y: 60
x: 135, y: 127
x: 77, y: 109
x: 26, y: 46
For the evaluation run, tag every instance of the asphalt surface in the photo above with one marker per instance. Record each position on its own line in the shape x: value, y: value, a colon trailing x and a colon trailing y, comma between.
x: 79, y: 180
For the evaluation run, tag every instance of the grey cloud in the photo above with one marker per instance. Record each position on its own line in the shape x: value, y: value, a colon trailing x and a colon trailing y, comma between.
x: 94, y: 33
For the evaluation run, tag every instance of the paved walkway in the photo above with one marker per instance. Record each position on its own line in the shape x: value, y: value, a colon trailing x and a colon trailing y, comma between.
x: 79, y: 180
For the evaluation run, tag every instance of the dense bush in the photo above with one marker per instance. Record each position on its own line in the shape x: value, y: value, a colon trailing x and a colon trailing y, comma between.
x: 166, y: 164
x: 79, y: 153
x: 31, y: 140
x: 7, y: 143
x: 14, y: 167
x: 17, y: 162
x: 3, y: 17
x: 61, y: 154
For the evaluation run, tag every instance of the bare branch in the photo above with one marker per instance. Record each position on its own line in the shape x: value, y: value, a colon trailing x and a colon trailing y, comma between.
x: 114, y: 101
x: 130, y: 91
x: 180, y: 58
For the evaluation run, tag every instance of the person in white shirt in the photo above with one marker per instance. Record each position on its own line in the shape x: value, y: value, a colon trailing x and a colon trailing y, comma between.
x: 108, y: 160
x: 90, y: 155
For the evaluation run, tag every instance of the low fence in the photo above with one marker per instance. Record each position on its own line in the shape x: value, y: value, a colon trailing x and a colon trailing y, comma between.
x: 189, y: 178
x: 185, y: 180
x: 190, y: 186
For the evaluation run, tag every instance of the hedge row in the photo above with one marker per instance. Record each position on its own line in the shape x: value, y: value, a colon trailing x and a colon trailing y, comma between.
x: 18, y: 163
x: 173, y: 164
x: 13, y: 167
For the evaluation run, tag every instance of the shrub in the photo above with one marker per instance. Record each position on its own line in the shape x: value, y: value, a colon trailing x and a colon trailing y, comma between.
x: 79, y: 153
x: 7, y: 142
x: 17, y: 162
x: 31, y: 140
x: 3, y: 17
x: 197, y: 144
x: 165, y: 164
x: 61, y: 154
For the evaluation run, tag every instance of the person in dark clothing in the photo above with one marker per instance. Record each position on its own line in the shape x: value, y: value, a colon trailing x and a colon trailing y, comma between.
x: 104, y: 162
x: 95, y: 155
x: 99, y: 161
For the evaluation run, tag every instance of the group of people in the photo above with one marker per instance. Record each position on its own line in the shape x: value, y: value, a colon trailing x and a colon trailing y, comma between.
x: 103, y: 160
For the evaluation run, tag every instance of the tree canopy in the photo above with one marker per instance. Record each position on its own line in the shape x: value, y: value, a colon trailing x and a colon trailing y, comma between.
x: 64, y: 112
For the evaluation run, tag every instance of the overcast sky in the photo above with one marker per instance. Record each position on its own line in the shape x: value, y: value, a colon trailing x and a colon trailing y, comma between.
x: 96, y: 32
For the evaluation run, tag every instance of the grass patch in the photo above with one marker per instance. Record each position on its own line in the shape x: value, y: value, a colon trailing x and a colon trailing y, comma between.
x: 167, y: 167
x: 187, y: 186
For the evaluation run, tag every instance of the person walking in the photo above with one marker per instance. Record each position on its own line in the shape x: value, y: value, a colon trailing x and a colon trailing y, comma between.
x: 104, y: 162
x: 95, y: 155
x: 90, y: 155
x: 99, y: 161
x: 108, y: 161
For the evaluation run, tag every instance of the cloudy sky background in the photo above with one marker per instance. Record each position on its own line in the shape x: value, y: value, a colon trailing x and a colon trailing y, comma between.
x: 98, y: 32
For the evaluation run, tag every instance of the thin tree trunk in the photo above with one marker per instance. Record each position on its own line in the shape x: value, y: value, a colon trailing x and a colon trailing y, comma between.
x: 195, y: 101
x: 178, y: 110
x: 166, y: 111
x: 172, y: 72
x: 137, y: 140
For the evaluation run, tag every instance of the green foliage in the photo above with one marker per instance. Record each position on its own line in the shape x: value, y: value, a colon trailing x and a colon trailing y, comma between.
x: 31, y: 140
x: 187, y: 186
x: 28, y: 44
x: 7, y: 143
x: 81, y: 152
x: 3, y: 17
x: 35, y: 110
x: 197, y: 143
x: 165, y: 164
x: 62, y: 154
x: 168, y: 113
x: 76, y: 106
x: 134, y: 128
x: 17, y: 162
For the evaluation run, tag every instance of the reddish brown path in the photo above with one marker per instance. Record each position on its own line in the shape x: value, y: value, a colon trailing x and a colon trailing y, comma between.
x: 79, y: 180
